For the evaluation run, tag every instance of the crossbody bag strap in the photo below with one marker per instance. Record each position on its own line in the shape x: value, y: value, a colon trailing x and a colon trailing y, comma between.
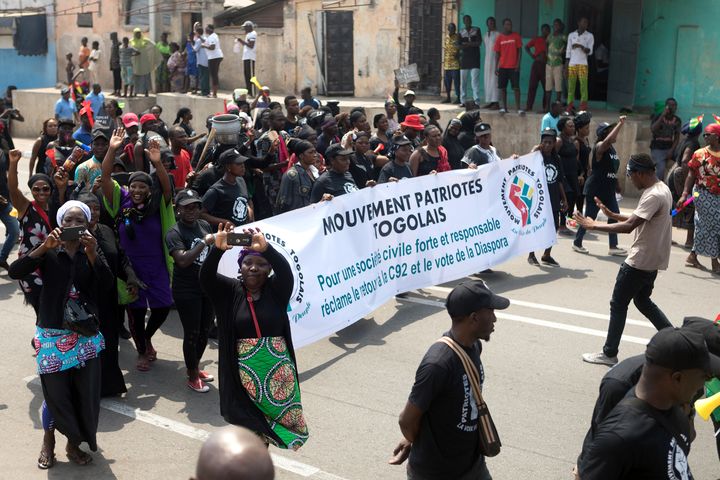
x: 668, y: 425
x: 252, y: 313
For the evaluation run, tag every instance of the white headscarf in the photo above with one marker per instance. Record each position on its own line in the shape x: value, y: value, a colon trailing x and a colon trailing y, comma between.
x: 72, y: 204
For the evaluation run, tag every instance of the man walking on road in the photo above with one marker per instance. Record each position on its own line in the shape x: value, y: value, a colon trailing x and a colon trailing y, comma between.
x: 650, y: 252
x: 441, y: 418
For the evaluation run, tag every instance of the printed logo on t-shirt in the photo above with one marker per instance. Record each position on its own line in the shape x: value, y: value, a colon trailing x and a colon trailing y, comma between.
x: 201, y: 258
x: 551, y: 172
x: 240, y: 210
x: 350, y: 187
x: 677, y: 464
x: 469, y: 412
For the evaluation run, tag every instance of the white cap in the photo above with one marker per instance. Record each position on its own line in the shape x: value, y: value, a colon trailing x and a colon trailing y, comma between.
x: 409, y: 92
x: 248, y: 23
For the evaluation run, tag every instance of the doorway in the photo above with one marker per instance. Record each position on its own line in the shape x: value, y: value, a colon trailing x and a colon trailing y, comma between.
x: 338, y: 66
x: 187, y: 20
x: 599, y: 14
x: 426, y: 40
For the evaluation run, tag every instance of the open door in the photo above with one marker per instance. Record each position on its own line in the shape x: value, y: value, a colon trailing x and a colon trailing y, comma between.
x: 426, y: 39
x: 626, y: 24
x: 338, y: 65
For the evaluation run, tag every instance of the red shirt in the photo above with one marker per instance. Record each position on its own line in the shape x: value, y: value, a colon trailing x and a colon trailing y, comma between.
x: 508, y: 46
x: 183, y: 168
x: 539, y: 44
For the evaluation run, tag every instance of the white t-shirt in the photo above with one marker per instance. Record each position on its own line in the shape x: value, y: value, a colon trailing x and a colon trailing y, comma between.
x: 578, y: 56
x: 652, y: 240
x: 248, y: 52
x: 213, y: 39
x: 94, y: 59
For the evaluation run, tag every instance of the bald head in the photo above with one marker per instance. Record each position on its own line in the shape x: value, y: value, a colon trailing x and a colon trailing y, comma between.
x: 234, y: 453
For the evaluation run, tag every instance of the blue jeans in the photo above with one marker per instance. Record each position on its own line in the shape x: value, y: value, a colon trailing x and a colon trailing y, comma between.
x: 12, y: 231
x: 452, y: 77
x: 591, y: 211
x: 636, y: 285
x: 470, y: 77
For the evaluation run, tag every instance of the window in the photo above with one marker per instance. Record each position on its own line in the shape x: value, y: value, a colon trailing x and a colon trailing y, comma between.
x: 7, y: 30
x: 136, y: 12
x: 85, y: 20
x: 523, y: 13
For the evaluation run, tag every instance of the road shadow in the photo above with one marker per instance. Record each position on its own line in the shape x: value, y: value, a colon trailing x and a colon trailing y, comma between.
x: 100, y: 467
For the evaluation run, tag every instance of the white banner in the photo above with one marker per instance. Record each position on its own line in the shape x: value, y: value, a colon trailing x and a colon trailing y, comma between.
x: 350, y: 255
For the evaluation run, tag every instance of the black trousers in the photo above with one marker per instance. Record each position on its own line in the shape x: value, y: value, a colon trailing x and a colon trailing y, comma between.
x: 249, y: 66
x: 117, y: 81
x: 196, y: 315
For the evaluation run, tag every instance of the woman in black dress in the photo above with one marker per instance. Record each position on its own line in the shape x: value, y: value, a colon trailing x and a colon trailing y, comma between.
x: 582, y: 142
x: 252, y: 319
x: 569, y: 157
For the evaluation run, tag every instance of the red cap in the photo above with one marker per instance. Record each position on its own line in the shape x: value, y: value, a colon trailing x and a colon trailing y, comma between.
x: 130, y: 120
x: 148, y: 117
x: 413, y: 121
x: 713, y: 128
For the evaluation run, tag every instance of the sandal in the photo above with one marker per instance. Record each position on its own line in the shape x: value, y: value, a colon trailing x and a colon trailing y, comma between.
x: 79, y: 457
x: 143, y: 364
x: 150, y: 352
x: 46, y: 461
x: 693, y: 262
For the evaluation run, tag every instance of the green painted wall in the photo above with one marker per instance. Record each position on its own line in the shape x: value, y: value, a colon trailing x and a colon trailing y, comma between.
x: 678, y: 55
x: 479, y: 10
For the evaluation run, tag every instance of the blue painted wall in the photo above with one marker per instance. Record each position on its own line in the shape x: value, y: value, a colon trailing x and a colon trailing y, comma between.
x: 28, y: 71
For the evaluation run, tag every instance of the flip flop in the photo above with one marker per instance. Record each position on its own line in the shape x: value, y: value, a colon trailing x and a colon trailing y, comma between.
x: 79, y: 458
x: 44, y: 461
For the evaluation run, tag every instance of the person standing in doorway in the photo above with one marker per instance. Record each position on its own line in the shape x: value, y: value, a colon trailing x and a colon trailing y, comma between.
x: 202, y: 62
x: 579, y: 47
x: 249, y: 54
x: 451, y: 63
x: 214, y: 55
x: 556, y: 44
x: 508, y: 49
x: 652, y: 237
x: 666, y: 135
x: 537, y: 72
x: 443, y: 418
x: 492, y: 95
x: 470, y: 41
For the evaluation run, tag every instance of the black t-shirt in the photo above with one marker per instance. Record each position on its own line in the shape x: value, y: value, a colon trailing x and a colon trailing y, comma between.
x: 555, y: 173
x: 361, y: 167
x: 4, y: 191
x: 334, y: 183
x: 632, y: 445
x: 613, y: 388
x: 228, y: 201
x: 183, y: 237
x: 470, y: 57
x: 392, y: 169
x: 447, y: 445
x: 603, y: 177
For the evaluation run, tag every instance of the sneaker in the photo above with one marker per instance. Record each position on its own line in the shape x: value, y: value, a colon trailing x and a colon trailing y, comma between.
x: 205, y: 376
x: 502, y: 111
x: 532, y: 260
x: 600, y: 359
x: 580, y: 249
x: 617, y: 252
x: 550, y: 261
x: 198, y: 386
x: 521, y: 113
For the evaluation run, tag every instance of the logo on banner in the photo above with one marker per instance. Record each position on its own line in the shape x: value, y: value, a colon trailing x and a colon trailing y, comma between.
x: 297, y: 306
x: 523, y: 196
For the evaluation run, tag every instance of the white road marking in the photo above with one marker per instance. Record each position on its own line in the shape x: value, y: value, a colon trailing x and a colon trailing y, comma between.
x: 536, y: 321
x: 284, y: 463
x: 553, y: 308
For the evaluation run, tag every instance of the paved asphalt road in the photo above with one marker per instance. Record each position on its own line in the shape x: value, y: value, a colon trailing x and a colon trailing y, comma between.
x: 355, y: 382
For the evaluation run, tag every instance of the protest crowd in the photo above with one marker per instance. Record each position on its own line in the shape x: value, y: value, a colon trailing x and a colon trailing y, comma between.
x: 129, y: 214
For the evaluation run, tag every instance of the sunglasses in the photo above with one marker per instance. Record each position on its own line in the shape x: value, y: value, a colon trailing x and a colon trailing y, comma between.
x: 41, y: 189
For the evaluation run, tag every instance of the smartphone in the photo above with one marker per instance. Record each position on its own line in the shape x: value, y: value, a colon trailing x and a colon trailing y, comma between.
x: 71, y: 233
x: 239, y: 239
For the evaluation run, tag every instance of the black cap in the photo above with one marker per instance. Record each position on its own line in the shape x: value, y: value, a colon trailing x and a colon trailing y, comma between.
x: 680, y: 349
x: 469, y: 297
x: 548, y: 132
x: 100, y: 132
x: 336, y: 149
x: 582, y: 118
x: 401, y: 140
x: 186, y: 197
x: 231, y: 156
x: 66, y: 121
x: 604, y: 126
x: 708, y: 329
x: 64, y: 90
x: 482, y: 129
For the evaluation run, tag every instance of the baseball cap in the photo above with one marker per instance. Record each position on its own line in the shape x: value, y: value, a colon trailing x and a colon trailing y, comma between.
x: 582, y: 118
x: 247, y: 23
x: 548, y: 132
x: 409, y: 92
x: 604, y: 126
x: 130, y: 120
x: 148, y: 117
x: 681, y: 349
x: 231, y: 156
x: 186, y: 197
x: 100, y: 132
x: 137, y: 30
x: 401, y: 140
x: 471, y: 296
x: 64, y: 90
x: 708, y: 329
x: 336, y: 149
x: 482, y: 129
x: 66, y: 121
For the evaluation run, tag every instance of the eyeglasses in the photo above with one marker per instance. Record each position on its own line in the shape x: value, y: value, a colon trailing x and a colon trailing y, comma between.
x: 41, y: 189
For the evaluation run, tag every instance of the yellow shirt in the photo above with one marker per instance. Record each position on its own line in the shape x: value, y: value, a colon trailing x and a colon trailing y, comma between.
x: 452, y: 57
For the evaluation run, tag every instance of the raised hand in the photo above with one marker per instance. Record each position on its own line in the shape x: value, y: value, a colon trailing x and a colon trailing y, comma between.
x: 15, y: 155
x: 259, y: 244
x: 153, y: 151
x: 117, y: 138
x: 221, y: 236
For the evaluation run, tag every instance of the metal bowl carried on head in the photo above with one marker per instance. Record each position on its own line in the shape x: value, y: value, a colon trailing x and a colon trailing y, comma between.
x: 227, y: 128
